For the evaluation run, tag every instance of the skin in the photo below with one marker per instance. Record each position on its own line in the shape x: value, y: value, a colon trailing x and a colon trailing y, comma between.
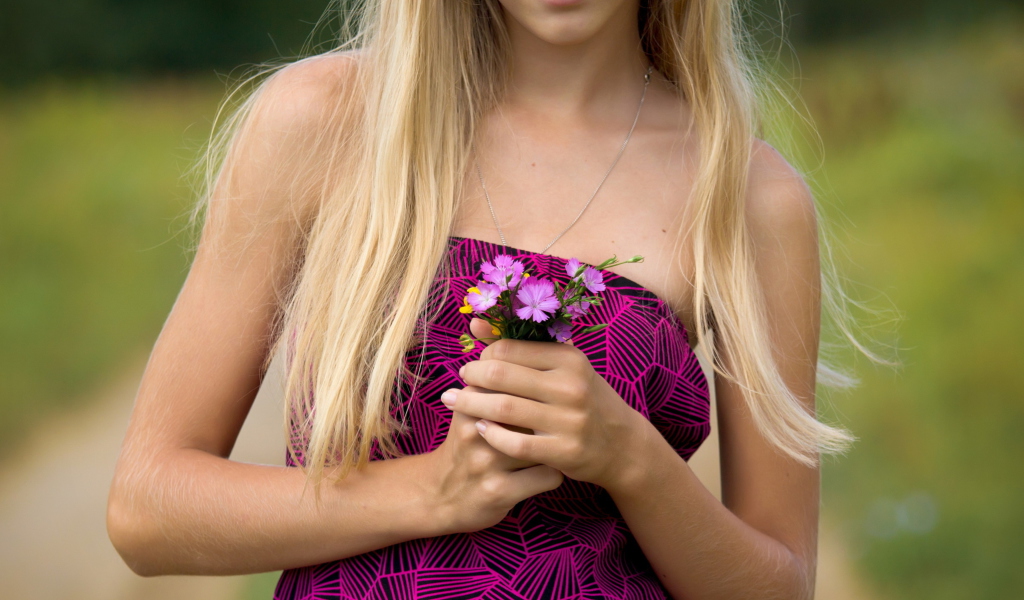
x: 178, y: 505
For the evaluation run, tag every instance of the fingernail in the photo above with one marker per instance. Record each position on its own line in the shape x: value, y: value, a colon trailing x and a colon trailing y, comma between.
x: 481, y: 427
x: 462, y: 370
x: 448, y: 398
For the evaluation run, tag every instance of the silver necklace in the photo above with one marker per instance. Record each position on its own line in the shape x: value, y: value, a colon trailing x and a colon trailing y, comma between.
x: 647, y: 80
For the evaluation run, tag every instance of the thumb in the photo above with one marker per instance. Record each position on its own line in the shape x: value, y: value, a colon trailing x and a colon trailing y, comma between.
x: 481, y: 330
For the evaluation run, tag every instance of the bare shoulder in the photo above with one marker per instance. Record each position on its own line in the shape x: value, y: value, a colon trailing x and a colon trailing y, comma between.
x: 779, y: 203
x: 306, y: 94
x: 290, y: 126
x: 783, y: 227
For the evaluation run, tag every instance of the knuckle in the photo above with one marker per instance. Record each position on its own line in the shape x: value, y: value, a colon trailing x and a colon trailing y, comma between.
x: 466, y: 432
x: 492, y: 489
x: 499, y: 350
x: 479, y: 459
x: 577, y: 359
x: 573, y: 452
x: 493, y: 373
x: 574, y: 390
x: 576, y: 422
x: 505, y: 408
x: 520, y: 446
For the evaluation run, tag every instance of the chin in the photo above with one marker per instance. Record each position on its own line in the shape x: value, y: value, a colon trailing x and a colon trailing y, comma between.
x: 564, y: 22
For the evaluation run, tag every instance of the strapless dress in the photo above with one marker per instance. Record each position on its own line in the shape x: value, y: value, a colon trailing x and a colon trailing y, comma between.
x: 570, y: 542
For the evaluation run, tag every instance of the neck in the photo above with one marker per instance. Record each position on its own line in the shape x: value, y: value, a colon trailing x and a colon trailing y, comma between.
x: 600, y: 74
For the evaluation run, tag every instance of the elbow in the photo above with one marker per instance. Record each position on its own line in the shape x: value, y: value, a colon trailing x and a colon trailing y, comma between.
x: 802, y: 575
x: 127, y: 537
x: 132, y: 534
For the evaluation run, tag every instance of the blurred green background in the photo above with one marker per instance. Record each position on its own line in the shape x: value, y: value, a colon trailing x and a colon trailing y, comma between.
x: 916, y: 153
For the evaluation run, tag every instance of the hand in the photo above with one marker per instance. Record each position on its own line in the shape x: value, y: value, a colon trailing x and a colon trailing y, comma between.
x: 582, y: 427
x: 473, y: 485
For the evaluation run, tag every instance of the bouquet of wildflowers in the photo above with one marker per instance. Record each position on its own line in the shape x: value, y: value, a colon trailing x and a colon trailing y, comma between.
x: 522, y: 307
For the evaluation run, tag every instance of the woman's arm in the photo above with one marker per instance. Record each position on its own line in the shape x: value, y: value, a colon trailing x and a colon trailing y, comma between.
x: 177, y: 504
x: 760, y: 541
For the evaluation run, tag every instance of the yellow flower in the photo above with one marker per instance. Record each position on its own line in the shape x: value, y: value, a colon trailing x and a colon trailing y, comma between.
x: 474, y: 290
x: 465, y: 308
x: 495, y: 331
x: 525, y: 275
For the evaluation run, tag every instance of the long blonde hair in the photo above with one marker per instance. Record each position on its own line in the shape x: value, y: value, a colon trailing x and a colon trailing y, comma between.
x: 425, y: 73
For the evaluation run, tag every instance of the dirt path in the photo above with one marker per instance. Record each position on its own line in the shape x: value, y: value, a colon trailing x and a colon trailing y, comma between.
x: 53, y: 541
x: 53, y: 499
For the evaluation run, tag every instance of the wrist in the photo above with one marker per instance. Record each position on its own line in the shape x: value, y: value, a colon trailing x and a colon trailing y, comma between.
x: 412, y: 505
x: 635, y: 457
x: 433, y: 515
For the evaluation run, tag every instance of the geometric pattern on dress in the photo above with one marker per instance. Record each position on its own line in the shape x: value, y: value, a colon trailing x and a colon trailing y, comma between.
x: 567, y: 543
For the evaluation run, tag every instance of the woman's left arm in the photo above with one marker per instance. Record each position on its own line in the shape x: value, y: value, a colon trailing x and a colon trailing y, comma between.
x: 760, y: 541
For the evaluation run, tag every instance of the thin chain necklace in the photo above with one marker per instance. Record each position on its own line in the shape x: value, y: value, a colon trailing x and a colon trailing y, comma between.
x: 647, y: 81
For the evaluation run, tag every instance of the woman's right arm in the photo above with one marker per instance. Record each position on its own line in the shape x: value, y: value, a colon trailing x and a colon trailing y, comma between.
x: 177, y: 504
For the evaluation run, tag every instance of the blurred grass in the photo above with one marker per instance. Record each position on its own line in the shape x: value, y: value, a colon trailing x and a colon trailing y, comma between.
x: 261, y: 586
x: 90, y: 188
x: 923, y: 173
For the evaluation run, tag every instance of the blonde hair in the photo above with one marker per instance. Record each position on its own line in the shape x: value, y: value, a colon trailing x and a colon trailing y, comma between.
x: 423, y: 73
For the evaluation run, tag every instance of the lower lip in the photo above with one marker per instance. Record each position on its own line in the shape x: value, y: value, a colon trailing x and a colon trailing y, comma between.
x: 561, y: 3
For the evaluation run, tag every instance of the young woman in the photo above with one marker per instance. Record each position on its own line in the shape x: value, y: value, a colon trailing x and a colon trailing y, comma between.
x: 358, y: 193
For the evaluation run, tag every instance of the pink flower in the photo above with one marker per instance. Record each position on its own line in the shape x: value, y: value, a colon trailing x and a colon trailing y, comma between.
x: 504, y: 273
x: 593, y: 280
x: 538, y: 299
x: 577, y: 309
x: 572, y: 266
x: 560, y: 330
x: 486, y: 297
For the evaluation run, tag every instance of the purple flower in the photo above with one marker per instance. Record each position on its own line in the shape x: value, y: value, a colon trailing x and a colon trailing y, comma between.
x: 538, y: 298
x: 577, y: 309
x: 485, y: 297
x: 572, y: 266
x: 593, y: 280
x: 561, y: 331
x: 504, y: 273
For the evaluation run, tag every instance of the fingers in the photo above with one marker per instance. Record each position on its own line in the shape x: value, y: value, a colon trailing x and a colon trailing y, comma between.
x: 534, y: 480
x: 463, y: 428
x: 481, y: 330
x: 524, y: 446
x: 511, y: 378
x: 503, y: 408
x: 476, y: 451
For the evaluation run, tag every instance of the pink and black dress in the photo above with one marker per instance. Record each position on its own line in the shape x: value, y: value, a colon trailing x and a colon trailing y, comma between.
x: 570, y: 542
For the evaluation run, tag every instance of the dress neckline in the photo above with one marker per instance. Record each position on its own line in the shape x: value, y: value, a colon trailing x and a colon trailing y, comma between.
x: 630, y: 283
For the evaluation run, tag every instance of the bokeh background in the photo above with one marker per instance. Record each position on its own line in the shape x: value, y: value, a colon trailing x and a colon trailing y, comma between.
x: 909, y: 124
